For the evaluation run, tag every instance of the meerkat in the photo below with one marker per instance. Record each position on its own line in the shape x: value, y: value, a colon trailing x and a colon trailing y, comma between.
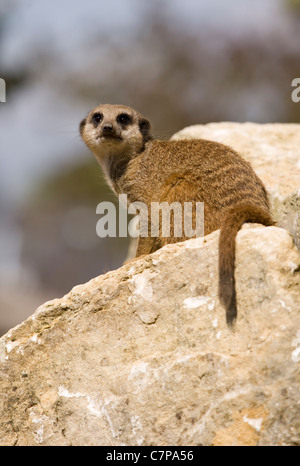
x: 150, y: 170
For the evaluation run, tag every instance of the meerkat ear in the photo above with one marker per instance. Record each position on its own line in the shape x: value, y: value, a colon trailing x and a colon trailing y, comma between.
x: 145, y: 129
x: 81, y: 126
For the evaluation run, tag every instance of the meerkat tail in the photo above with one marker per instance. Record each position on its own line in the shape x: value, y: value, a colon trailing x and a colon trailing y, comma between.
x: 232, y: 221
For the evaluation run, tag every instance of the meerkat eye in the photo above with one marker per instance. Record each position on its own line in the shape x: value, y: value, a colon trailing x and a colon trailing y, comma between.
x: 124, y: 119
x: 96, y: 118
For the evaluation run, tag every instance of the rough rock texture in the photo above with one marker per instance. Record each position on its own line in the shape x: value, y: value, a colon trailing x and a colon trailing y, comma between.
x: 142, y: 355
x: 274, y: 152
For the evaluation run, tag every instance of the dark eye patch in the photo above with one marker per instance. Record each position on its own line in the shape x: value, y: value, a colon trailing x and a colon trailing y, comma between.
x: 96, y: 118
x: 124, y: 119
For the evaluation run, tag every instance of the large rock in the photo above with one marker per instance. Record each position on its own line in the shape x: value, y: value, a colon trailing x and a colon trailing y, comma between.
x: 142, y: 355
x: 274, y: 152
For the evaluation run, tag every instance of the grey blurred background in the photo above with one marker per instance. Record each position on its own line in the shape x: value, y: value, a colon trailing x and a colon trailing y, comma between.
x: 178, y: 63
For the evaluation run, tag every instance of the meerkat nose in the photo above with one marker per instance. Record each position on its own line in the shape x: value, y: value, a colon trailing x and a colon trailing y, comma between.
x: 107, y: 129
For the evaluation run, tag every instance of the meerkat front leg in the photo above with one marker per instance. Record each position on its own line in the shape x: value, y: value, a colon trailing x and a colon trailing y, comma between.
x: 145, y: 246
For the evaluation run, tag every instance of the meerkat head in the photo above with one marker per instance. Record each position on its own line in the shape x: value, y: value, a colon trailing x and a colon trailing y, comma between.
x: 114, y: 130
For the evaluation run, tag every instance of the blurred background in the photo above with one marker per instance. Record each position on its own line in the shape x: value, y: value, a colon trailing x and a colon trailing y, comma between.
x: 178, y: 63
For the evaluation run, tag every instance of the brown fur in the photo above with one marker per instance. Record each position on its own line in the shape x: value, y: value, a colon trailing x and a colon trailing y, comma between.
x: 149, y: 170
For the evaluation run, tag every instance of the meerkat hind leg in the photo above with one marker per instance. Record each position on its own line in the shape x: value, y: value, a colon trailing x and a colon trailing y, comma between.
x: 147, y: 245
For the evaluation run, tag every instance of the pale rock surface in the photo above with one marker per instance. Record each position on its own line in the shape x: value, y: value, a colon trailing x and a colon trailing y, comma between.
x: 273, y: 150
x: 142, y: 355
